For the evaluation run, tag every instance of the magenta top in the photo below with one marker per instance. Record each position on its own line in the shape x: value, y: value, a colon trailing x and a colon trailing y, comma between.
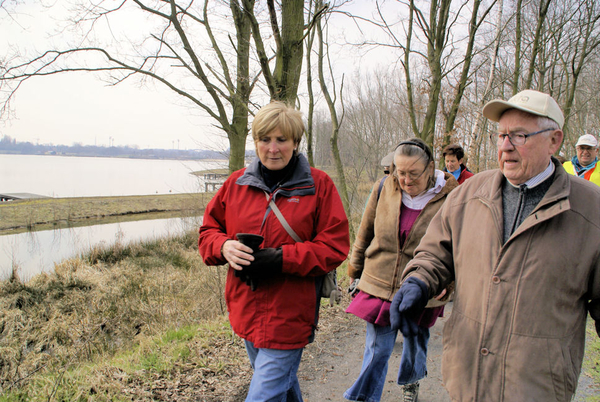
x: 377, y: 311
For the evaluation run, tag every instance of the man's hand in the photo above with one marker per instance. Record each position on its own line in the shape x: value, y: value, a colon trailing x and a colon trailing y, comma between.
x: 407, y: 305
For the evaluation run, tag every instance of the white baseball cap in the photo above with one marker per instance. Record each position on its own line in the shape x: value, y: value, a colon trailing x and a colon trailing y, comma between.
x: 530, y: 101
x: 388, y: 160
x: 587, y: 139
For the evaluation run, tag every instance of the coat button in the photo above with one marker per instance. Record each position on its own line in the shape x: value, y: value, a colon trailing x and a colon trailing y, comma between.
x: 485, y: 351
x: 496, y: 279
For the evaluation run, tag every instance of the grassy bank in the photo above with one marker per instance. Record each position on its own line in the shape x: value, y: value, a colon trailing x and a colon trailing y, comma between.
x: 106, y: 326
x: 49, y: 212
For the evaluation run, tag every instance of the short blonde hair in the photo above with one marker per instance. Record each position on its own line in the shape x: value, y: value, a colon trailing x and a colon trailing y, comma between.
x: 278, y: 115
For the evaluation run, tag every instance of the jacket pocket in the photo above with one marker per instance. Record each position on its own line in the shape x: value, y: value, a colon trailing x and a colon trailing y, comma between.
x: 538, y: 369
x: 459, y: 358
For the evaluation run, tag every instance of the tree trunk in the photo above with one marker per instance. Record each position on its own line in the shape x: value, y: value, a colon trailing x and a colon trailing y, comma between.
x: 518, y: 38
x: 239, y: 122
x: 464, y: 76
x: 335, y: 128
x: 475, y: 138
x: 288, y: 64
x: 542, y: 12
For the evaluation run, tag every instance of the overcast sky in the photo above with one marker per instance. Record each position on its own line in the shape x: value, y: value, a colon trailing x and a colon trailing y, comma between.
x: 80, y: 108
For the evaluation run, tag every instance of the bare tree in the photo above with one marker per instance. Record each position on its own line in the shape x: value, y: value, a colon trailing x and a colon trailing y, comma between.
x: 187, y: 47
x: 541, y: 18
x: 474, y: 24
x: 476, y: 137
x: 336, y: 120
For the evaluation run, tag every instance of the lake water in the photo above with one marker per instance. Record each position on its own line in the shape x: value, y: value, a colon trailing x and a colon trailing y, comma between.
x: 62, y: 176
x: 66, y: 176
x: 31, y: 253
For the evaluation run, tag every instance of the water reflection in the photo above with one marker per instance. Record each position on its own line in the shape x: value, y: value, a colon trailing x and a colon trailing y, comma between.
x: 31, y: 253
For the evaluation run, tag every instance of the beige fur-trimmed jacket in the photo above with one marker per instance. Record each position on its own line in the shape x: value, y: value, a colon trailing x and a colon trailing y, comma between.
x: 377, y: 258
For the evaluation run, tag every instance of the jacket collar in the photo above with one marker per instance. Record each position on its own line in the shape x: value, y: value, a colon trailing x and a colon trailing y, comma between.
x: 555, y: 201
x: 300, y: 182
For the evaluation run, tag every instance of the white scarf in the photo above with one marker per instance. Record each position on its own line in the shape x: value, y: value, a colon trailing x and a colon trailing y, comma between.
x: 419, y: 201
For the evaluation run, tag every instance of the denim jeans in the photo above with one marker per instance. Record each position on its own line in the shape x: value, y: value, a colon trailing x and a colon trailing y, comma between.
x: 379, y: 345
x: 274, y: 378
x: 413, y: 364
x: 378, y: 349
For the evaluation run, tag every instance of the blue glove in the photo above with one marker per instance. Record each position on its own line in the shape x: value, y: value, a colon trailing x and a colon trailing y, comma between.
x: 408, y: 303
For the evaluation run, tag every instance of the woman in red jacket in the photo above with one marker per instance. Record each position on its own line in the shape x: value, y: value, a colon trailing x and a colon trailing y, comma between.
x: 273, y: 293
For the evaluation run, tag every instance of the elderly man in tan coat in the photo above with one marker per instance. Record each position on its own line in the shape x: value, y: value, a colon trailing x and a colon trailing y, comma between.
x: 523, y: 245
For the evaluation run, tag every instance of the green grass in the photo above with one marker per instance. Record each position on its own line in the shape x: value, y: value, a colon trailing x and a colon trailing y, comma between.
x: 591, y: 362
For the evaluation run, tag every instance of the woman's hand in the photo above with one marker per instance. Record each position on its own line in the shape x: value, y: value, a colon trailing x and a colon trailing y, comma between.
x: 236, y: 254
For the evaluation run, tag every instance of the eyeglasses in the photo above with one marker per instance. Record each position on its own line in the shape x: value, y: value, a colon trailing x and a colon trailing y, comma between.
x: 516, y: 139
x: 411, y: 176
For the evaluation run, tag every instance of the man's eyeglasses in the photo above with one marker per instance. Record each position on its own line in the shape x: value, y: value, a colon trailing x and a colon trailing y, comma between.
x: 516, y: 139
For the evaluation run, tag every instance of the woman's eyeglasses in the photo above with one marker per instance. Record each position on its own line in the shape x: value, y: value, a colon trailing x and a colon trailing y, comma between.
x: 411, y: 176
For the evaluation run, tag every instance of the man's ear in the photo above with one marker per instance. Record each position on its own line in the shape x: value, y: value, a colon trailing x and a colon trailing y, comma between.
x: 556, y: 138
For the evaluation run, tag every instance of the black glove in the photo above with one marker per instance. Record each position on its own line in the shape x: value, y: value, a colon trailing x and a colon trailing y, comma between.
x: 243, y: 277
x: 408, y: 303
x: 267, y: 262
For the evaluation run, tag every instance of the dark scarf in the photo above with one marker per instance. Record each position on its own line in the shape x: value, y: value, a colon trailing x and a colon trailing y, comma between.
x: 274, y: 178
x: 579, y: 169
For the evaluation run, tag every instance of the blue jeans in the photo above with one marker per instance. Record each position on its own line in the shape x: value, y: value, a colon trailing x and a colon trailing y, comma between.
x: 378, y: 349
x: 379, y: 345
x: 413, y: 364
x: 274, y: 378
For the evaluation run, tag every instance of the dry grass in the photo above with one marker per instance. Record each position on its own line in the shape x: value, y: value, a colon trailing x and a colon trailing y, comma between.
x: 29, y: 214
x: 96, y: 308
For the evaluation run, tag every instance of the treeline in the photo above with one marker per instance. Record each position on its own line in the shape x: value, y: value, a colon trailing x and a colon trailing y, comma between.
x: 10, y: 145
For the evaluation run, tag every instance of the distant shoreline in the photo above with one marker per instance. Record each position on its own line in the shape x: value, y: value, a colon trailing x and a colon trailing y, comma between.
x: 148, y: 157
x: 48, y: 213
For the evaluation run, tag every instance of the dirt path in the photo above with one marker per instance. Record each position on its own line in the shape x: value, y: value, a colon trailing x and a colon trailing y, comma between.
x: 331, y: 364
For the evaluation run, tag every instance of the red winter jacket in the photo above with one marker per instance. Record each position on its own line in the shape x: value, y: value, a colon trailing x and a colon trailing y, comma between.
x: 464, y: 174
x: 282, y: 312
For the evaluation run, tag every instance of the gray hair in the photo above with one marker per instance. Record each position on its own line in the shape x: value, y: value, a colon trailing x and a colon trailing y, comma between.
x: 415, y: 147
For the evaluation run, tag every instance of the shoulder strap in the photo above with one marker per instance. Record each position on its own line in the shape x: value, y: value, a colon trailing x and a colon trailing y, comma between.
x: 282, y: 220
x: 380, y: 186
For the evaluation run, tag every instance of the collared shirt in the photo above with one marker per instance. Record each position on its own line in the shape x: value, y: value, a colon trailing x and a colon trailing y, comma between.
x: 456, y: 173
x: 535, y: 180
